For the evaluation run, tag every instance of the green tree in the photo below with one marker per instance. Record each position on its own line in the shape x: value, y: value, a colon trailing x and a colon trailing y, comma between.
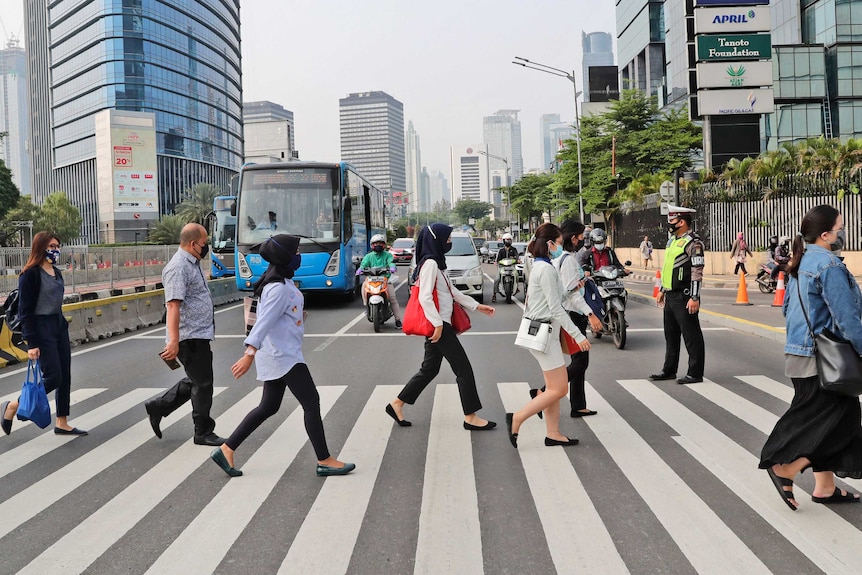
x: 533, y: 195
x: 465, y: 209
x: 59, y: 216
x: 168, y: 230
x: 197, y: 203
x: 23, y: 210
x: 9, y: 192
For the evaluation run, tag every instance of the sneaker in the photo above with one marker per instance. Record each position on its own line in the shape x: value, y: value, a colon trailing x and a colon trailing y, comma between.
x: 398, y: 324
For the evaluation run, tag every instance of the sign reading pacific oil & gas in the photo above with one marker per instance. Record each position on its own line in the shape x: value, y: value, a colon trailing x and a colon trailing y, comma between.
x: 725, y: 102
x: 734, y: 47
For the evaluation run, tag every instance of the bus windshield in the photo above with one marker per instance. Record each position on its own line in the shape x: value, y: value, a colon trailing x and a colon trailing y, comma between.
x: 224, y: 231
x: 299, y: 201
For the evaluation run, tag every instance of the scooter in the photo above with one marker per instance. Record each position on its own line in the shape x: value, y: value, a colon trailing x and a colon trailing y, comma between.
x: 375, y: 295
x: 764, y: 279
x: 614, y: 295
x: 508, y: 278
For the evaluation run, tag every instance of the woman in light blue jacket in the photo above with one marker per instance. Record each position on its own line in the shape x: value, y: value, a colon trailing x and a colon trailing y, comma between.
x: 821, y: 430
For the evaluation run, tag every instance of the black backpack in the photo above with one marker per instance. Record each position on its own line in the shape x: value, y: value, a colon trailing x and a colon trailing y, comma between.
x: 10, y: 311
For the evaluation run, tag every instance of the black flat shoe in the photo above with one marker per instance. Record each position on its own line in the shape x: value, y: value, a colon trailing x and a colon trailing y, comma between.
x: 217, y: 455
x: 487, y: 426
x: 73, y: 431
x: 391, y: 411
x: 155, y: 418
x: 553, y: 442
x: 689, y: 379
x: 662, y: 376
x: 513, y: 437
x: 583, y: 413
x: 210, y: 439
x: 533, y: 394
x: 326, y: 471
x: 6, y: 424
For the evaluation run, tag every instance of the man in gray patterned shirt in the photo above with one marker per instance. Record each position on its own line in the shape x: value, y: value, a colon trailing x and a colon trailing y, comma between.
x: 190, y: 329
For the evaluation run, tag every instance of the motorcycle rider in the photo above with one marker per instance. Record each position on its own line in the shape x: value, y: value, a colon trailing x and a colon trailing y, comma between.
x: 781, y: 256
x: 600, y: 254
x: 378, y: 257
x: 507, y: 251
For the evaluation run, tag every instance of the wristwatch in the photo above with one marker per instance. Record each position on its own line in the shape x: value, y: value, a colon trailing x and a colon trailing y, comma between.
x: 250, y: 350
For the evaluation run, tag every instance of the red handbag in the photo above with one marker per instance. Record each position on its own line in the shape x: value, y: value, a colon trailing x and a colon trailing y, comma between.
x: 415, y: 322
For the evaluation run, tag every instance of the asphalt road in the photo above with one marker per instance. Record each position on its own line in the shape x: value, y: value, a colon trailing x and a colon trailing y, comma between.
x: 665, y: 478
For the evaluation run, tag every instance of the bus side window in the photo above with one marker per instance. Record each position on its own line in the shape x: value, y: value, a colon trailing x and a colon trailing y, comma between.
x: 347, y: 216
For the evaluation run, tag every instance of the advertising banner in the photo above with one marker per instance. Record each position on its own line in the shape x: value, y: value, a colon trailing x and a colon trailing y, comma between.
x: 604, y: 83
x: 134, y: 167
x: 753, y: 74
x: 726, y: 102
x: 734, y: 47
x: 732, y: 19
x: 730, y: 2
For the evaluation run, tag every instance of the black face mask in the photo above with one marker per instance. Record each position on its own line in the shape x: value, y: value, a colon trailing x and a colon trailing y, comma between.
x: 838, y: 244
x: 446, y: 247
x: 205, y: 249
x: 377, y: 249
x: 579, y: 245
x: 671, y: 226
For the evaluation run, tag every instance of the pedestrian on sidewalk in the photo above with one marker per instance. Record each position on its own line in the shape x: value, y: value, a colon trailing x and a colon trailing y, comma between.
x: 274, y: 344
x: 646, y: 251
x: 190, y: 329
x: 821, y: 430
x: 544, y: 302
x: 431, y: 247
x: 739, y: 252
x: 679, y: 295
x: 45, y: 329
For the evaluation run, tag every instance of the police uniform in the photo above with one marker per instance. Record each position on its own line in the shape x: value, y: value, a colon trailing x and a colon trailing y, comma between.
x: 681, y: 279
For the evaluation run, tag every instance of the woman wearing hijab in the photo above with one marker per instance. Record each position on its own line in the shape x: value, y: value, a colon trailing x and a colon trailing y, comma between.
x: 739, y: 251
x: 433, y: 243
x: 275, y: 345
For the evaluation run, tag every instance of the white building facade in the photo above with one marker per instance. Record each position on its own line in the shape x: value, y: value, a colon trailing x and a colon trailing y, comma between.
x: 501, y: 132
x: 469, y: 173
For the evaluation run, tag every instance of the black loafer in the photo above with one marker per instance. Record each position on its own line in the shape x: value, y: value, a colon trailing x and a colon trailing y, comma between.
x: 6, y: 424
x: 554, y: 442
x: 217, y: 455
x: 583, y: 413
x: 662, y: 376
x: 210, y: 439
x: 326, y: 471
x: 689, y: 379
x: 487, y: 426
x: 155, y: 418
x: 513, y: 437
x: 73, y: 431
x: 533, y: 394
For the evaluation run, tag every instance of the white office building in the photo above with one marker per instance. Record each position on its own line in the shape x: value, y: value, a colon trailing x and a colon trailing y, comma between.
x: 501, y: 132
x: 413, y: 159
x: 548, y: 145
x: 269, y: 133
x: 469, y: 173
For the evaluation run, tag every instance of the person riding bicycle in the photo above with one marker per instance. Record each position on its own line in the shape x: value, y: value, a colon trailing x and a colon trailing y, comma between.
x: 378, y: 257
x: 507, y: 251
x: 600, y: 254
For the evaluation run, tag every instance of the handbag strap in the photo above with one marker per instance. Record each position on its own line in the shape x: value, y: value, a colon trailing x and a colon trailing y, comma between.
x: 805, y: 313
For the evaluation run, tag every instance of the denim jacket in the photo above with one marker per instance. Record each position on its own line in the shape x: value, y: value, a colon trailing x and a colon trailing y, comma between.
x: 832, y: 300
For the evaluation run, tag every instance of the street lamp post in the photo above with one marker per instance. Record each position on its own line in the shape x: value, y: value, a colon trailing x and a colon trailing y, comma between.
x: 571, y: 78
x: 508, y: 184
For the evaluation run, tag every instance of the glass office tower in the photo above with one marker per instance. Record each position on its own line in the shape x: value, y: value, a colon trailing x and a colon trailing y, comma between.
x: 178, y: 59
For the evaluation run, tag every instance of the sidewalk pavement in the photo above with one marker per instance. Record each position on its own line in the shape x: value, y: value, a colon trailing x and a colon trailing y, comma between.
x: 718, y: 303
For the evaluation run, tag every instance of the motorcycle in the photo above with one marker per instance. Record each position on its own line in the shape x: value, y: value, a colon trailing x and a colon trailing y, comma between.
x: 508, y: 278
x: 764, y: 279
x: 614, y: 295
x: 375, y: 295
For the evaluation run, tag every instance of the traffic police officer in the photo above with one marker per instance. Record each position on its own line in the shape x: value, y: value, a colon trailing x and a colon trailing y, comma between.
x: 681, y: 277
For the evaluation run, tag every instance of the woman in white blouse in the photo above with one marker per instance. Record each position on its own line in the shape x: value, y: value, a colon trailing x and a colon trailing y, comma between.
x: 431, y: 247
x: 544, y: 303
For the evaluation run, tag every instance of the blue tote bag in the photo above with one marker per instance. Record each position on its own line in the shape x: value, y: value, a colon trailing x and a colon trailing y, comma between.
x: 33, y: 403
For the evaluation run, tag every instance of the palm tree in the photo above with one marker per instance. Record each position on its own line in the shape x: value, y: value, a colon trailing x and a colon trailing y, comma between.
x: 197, y: 203
x: 168, y: 230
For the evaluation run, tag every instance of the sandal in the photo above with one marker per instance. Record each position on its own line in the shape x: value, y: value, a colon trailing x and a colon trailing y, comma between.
x: 780, y: 483
x: 837, y: 497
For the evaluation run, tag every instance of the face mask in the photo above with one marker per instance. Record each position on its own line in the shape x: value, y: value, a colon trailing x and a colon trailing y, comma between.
x: 507, y: 243
x: 446, y: 247
x: 579, y: 245
x: 838, y: 245
x: 556, y: 252
x: 671, y: 227
x: 378, y: 249
x: 53, y: 256
x: 205, y: 249
x: 599, y: 247
x: 295, y: 262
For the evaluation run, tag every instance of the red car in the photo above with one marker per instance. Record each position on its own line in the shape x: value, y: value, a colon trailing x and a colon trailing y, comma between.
x: 402, y: 250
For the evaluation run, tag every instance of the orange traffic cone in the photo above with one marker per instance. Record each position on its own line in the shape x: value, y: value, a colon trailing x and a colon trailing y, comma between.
x: 742, y: 294
x: 779, y: 291
x: 657, y: 285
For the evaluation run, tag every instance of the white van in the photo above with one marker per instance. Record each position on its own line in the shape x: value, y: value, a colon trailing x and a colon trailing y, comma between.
x: 463, y: 266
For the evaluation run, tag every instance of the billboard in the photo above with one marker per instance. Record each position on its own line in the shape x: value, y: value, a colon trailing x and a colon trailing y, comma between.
x: 730, y: 2
x: 734, y: 47
x: 752, y: 74
x: 135, y: 181
x: 732, y: 19
x: 726, y: 102
x: 604, y: 83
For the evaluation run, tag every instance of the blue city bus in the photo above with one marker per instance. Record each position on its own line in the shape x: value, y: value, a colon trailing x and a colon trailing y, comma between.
x: 331, y: 207
x: 222, y: 224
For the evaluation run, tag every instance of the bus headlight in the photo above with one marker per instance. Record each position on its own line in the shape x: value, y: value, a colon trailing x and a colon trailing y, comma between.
x: 332, y: 266
x: 244, y: 269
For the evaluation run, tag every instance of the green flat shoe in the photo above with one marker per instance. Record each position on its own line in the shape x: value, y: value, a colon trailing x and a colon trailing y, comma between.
x: 325, y: 470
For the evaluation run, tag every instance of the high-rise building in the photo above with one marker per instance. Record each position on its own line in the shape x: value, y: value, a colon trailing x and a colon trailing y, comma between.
x: 439, y: 189
x: 502, y: 133
x: 640, y: 45
x: 179, y: 60
x: 372, y: 138
x: 548, y: 149
x: 469, y: 173
x: 413, y: 157
x: 560, y: 132
x: 598, y: 50
x: 14, y: 115
x: 424, y: 191
x: 269, y: 133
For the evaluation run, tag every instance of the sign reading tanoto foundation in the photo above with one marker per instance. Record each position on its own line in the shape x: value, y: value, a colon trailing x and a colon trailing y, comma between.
x: 734, y: 47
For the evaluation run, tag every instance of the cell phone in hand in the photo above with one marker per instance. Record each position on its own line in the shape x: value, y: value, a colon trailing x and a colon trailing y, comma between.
x: 171, y: 363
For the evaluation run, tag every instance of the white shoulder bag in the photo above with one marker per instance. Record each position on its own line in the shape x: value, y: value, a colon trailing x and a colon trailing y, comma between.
x: 534, y: 334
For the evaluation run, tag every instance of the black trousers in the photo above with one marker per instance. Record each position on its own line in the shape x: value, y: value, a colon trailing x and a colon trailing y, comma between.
x: 197, y: 359
x: 737, y: 268
x: 449, y: 347
x: 299, y: 381
x: 55, y: 358
x: 678, y: 322
x: 577, y: 369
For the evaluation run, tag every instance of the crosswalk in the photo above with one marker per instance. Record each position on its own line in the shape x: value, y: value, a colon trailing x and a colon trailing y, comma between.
x: 688, y: 455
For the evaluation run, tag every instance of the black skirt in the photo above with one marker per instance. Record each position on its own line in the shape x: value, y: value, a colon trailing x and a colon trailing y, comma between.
x: 824, y: 427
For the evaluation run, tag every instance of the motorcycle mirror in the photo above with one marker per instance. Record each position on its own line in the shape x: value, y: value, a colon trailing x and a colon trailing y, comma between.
x: 627, y: 262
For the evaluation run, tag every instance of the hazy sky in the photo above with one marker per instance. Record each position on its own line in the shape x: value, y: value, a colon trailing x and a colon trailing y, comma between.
x: 448, y: 62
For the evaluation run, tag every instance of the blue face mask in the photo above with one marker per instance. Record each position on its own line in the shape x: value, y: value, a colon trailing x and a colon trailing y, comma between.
x: 53, y: 256
x: 556, y: 252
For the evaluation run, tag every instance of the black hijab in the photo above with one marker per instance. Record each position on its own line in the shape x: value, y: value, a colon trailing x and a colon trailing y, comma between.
x: 279, y: 251
x: 431, y: 245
